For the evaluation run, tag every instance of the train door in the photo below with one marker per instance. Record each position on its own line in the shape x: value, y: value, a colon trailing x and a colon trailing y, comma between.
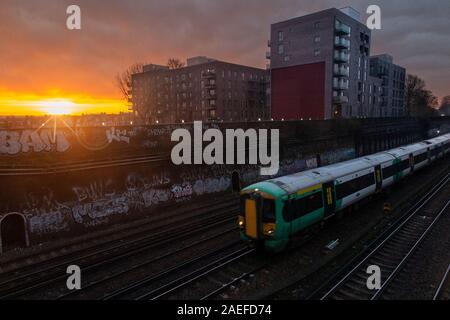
x: 411, y: 162
x: 378, y: 178
x: 329, y: 199
x: 251, y: 218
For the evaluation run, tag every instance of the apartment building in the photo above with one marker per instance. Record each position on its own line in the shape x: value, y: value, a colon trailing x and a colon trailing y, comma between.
x: 319, y: 66
x: 206, y: 89
x: 392, y: 79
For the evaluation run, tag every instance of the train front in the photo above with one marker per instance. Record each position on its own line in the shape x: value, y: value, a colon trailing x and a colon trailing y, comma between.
x: 260, y: 219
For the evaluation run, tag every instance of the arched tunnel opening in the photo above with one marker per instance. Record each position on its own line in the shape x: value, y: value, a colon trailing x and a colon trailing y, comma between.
x: 13, y: 232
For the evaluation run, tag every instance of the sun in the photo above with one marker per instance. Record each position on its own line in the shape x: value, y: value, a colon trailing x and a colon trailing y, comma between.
x: 56, y: 106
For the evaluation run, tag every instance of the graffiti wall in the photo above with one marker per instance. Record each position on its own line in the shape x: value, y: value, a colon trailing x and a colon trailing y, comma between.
x: 74, y: 203
x: 69, y: 202
x: 50, y: 144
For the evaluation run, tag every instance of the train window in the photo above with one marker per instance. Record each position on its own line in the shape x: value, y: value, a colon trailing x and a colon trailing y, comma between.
x: 447, y: 146
x: 435, y: 152
x: 296, y: 208
x: 405, y: 164
x: 421, y: 157
x: 268, y: 210
x: 315, y: 202
x: 288, y: 211
x: 389, y: 171
x: 352, y: 186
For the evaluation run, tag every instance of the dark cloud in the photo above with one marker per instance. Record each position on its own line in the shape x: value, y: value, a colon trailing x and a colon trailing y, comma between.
x: 39, y: 54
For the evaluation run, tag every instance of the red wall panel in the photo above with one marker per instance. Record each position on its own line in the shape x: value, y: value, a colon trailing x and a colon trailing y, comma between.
x: 298, y: 92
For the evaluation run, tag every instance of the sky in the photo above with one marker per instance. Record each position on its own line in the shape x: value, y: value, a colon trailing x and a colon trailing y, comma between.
x: 42, y: 63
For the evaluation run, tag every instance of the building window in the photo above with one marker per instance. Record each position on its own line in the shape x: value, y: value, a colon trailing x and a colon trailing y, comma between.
x: 280, y: 49
x: 316, y: 25
x: 316, y: 52
x: 316, y: 39
x: 280, y: 35
x: 287, y: 58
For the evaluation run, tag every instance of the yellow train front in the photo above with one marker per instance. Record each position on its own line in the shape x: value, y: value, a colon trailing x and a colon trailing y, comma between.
x: 260, y: 220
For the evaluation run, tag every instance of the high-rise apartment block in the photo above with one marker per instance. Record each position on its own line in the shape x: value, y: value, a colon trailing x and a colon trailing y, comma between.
x: 320, y: 67
x: 393, y: 85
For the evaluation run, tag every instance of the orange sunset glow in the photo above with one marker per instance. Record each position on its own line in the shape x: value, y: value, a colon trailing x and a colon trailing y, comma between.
x: 29, y: 104
x: 46, y: 68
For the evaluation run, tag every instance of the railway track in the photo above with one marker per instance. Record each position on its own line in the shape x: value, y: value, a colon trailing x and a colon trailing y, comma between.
x: 222, y: 286
x: 443, y: 289
x: 86, y: 165
x: 168, y: 216
x: 33, y: 278
x: 103, y: 282
x: 160, y: 285
x: 391, y: 251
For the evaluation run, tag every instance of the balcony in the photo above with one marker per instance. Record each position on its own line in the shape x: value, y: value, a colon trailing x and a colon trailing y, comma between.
x: 341, y: 71
x: 341, y: 43
x: 268, y: 55
x: 209, y: 74
x: 340, y: 99
x: 341, y: 28
x: 211, y: 95
x: 340, y: 84
x: 341, y: 56
x: 210, y: 85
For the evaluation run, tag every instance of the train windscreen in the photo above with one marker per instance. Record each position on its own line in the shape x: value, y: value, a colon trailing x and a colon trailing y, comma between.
x: 268, y: 210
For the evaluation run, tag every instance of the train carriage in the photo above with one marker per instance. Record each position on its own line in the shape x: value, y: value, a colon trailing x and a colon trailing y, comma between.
x: 385, y: 165
x: 437, y: 147
x: 353, y: 180
x: 274, y: 210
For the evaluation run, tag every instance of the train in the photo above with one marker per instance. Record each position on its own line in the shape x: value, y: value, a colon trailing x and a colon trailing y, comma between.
x: 273, y: 211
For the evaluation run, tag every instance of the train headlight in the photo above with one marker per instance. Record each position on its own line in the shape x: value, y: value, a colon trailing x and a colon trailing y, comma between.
x: 269, y: 229
x: 241, y: 222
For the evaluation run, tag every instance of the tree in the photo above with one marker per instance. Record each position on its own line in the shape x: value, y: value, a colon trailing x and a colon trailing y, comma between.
x: 174, y: 63
x: 445, y: 106
x: 420, y: 102
x: 123, y: 80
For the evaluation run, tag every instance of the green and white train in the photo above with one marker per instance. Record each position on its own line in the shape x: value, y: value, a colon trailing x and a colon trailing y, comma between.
x: 273, y: 211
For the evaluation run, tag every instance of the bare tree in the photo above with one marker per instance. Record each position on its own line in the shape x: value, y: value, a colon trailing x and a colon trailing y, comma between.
x: 175, y: 63
x: 123, y: 80
x: 420, y: 102
x: 445, y: 106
